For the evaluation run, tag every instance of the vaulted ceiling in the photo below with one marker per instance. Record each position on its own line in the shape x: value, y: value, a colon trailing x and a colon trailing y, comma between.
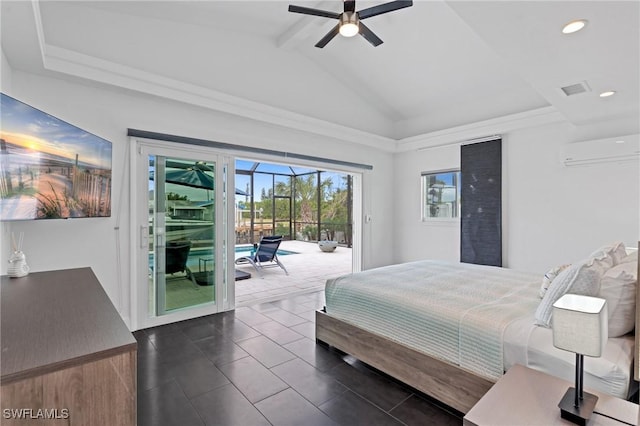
x: 443, y: 64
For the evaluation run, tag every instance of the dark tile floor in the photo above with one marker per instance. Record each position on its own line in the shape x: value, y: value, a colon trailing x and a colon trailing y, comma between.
x: 260, y: 365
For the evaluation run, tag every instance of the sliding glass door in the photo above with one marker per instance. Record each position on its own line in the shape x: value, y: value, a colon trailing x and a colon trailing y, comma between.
x: 182, y: 234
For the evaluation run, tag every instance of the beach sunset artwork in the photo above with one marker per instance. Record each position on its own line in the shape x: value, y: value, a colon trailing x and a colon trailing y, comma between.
x: 50, y: 169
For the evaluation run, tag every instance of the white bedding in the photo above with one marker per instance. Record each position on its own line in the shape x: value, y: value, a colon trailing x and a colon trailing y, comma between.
x: 532, y: 346
x: 455, y: 312
x: 477, y: 317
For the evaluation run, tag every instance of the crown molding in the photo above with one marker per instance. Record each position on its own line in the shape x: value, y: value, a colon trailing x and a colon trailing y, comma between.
x: 88, y: 67
x: 494, y: 126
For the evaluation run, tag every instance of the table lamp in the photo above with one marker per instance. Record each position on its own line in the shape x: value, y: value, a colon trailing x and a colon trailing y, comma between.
x: 579, y: 326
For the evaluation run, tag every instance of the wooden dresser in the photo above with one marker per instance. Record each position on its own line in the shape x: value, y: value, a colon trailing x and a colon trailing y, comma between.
x: 67, y: 357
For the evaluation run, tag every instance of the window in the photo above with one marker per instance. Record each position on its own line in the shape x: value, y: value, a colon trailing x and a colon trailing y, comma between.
x: 441, y: 195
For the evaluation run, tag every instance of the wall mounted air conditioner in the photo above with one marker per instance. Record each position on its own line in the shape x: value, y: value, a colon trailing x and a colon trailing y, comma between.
x: 618, y: 149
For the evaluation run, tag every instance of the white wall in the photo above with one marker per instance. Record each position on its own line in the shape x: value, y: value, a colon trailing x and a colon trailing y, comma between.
x: 107, y: 112
x: 415, y: 239
x: 559, y: 214
x: 551, y: 214
x: 5, y: 228
x: 5, y: 74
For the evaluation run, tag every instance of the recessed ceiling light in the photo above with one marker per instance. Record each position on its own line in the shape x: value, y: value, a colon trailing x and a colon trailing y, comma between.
x: 574, y: 26
x: 607, y: 94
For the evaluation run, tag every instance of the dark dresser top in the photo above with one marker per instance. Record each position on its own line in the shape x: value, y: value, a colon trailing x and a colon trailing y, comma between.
x: 57, y: 319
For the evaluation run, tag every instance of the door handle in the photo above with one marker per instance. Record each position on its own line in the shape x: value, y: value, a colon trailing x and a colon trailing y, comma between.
x: 144, y: 237
x: 160, y: 237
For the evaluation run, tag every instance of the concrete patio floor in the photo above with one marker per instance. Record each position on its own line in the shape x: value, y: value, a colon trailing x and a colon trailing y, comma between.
x: 308, y: 270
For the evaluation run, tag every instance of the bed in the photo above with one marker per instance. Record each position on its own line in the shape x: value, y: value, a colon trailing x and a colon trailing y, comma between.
x: 450, y: 330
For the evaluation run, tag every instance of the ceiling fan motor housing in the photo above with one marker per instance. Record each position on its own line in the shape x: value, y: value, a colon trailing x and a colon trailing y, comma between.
x: 349, y: 24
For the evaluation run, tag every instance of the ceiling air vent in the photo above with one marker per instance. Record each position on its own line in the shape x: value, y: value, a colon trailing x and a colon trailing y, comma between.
x: 575, y: 89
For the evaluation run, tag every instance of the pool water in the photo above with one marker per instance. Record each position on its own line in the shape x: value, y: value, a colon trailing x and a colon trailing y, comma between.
x: 247, y: 251
x: 201, y: 257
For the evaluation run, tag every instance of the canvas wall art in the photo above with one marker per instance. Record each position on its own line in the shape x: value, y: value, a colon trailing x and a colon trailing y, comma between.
x: 50, y: 169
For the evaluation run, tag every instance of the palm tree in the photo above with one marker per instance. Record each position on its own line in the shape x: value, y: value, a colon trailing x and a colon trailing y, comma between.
x: 335, y: 209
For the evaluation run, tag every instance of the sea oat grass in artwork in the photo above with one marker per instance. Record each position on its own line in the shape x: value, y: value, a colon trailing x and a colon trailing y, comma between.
x: 50, y: 206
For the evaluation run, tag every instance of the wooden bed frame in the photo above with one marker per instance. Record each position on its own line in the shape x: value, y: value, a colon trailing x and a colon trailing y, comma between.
x: 447, y: 383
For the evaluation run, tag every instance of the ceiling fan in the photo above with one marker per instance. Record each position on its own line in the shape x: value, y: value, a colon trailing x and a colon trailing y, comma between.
x: 350, y: 21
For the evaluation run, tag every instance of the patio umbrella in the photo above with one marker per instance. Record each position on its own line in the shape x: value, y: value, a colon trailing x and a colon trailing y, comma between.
x: 193, y: 177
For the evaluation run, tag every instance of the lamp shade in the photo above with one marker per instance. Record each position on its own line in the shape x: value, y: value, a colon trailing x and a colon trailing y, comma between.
x: 580, y: 324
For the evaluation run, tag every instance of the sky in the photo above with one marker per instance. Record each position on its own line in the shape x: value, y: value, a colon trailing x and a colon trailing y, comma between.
x: 33, y: 129
x: 264, y: 181
x: 261, y: 180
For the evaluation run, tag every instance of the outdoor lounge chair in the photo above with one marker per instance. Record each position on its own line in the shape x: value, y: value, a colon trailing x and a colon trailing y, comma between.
x: 265, y: 256
x: 176, y: 255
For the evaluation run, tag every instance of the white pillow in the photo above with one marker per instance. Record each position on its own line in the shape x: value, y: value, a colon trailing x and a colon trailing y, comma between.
x: 580, y: 278
x: 549, y: 277
x: 618, y: 288
x: 616, y: 251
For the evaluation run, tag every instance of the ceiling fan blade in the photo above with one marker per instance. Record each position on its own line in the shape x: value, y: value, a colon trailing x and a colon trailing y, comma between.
x: 330, y: 35
x: 383, y: 8
x: 314, y: 12
x: 369, y: 35
x: 349, y: 5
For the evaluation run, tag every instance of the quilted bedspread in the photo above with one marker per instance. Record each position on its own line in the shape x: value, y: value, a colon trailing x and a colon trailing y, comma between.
x: 456, y: 312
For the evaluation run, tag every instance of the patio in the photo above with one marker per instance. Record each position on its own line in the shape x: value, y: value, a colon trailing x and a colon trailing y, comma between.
x: 308, y: 270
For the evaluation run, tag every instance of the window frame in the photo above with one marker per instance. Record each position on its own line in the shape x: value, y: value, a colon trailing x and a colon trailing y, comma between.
x: 423, y: 197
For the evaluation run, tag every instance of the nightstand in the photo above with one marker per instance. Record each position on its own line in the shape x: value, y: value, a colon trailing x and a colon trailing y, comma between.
x: 528, y: 397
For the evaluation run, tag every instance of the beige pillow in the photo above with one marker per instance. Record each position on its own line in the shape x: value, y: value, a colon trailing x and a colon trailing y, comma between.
x: 631, y: 257
x: 618, y: 288
x: 615, y: 251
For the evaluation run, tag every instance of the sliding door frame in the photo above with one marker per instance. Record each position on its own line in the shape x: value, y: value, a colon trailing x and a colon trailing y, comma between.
x: 228, y: 154
x: 141, y: 316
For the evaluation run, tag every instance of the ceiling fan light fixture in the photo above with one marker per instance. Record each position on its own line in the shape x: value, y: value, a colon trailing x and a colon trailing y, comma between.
x: 349, y: 24
x: 574, y: 26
